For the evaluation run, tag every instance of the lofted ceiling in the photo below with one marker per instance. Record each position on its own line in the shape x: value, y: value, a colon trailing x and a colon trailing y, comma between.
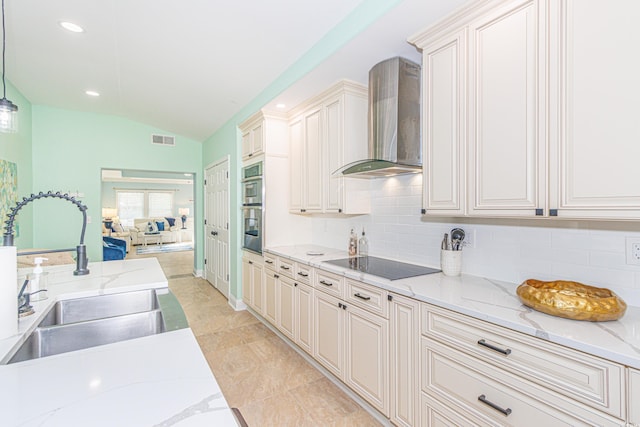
x: 188, y: 67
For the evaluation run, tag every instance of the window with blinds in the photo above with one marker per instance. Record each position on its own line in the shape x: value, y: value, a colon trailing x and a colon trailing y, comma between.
x: 143, y: 204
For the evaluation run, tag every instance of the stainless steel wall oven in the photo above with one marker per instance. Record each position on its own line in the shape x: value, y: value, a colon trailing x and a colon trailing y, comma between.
x: 252, y: 197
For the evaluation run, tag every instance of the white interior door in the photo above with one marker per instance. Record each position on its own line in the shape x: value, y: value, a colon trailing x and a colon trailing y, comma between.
x: 217, y: 225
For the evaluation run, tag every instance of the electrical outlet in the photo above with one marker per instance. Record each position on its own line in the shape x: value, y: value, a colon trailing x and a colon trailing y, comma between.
x: 633, y: 250
x: 88, y: 219
x: 469, y: 239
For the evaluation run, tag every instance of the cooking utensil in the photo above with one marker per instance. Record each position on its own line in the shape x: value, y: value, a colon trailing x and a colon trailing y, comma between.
x: 445, y: 242
x: 457, y: 236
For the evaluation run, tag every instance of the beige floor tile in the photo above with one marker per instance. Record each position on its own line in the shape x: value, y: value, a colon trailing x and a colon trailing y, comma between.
x: 257, y: 371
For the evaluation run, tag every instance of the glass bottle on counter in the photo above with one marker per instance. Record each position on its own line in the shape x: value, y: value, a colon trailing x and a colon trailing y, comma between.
x: 353, y: 244
x: 363, y: 245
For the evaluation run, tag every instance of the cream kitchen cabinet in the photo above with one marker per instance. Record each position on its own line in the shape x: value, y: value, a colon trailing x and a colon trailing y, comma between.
x: 270, y: 311
x: 351, y: 342
x: 549, y: 132
x: 444, y: 73
x: 506, y: 377
x: 506, y: 132
x: 595, y: 109
x: 633, y: 396
x: 329, y: 333
x: 404, y: 361
x: 252, y: 139
x: 253, y: 281
x: 325, y: 133
x: 304, y: 319
x: 286, y: 319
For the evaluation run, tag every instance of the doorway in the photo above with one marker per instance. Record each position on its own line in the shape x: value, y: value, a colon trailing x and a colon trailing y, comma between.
x: 216, y: 214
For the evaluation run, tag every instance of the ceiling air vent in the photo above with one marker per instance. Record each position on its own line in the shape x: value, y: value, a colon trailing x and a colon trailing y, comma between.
x: 163, y: 140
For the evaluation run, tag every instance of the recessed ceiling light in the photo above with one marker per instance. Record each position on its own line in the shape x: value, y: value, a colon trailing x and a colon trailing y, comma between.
x: 70, y: 26
x: 92, y: 93
x: 281, y: 106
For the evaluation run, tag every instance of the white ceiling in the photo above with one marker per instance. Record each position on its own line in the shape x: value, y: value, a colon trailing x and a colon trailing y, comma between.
x: 188, y: 66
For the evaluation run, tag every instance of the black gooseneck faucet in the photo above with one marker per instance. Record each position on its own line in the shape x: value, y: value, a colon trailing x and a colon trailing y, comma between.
x: 81, y: 251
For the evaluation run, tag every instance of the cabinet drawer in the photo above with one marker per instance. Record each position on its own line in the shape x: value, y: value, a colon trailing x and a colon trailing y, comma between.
x: 588, y: 379
x: 490, y: 393
x: 436, y: 414
x: 270, y: 262
x: 285, y: 267
x: 303, y: 273
x: 330, y: 283
x: 368, y: 297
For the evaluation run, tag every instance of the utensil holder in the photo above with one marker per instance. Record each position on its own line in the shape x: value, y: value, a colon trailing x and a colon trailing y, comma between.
x: 451, y: 262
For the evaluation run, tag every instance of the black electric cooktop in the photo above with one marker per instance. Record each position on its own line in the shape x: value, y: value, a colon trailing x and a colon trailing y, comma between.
x: 392, y: 270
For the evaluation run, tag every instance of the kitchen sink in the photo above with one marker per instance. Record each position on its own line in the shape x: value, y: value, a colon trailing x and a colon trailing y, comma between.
x: 81, y: 323
x: 100, y: 307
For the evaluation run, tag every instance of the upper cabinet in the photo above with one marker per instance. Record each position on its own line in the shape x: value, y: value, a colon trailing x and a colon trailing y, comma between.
x: 263, y: 132
x: 325, y: 133
x: 595, y: 107
x: 505, y: 142
x: 444, y: 88
x: 536, y: 106
x: 253, y: 141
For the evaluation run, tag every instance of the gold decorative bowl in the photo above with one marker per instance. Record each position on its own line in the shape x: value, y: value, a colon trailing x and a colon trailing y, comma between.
x: 571, y: 300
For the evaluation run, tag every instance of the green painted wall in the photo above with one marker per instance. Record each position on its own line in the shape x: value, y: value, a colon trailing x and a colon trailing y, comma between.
x: 70, y: 149
x: 227, y: 140
x: 16, y: 148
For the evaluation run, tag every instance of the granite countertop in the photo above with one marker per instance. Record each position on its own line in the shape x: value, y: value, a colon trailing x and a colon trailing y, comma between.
x: 161, y: 380
x: 495, y: 302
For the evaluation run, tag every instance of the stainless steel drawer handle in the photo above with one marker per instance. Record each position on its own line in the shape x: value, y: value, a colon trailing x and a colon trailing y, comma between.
x: 494, y: 348
x: 326, y: 283
x: 300, y: 273
x: 357, y: 295
x: 284, y: 267
x: 482, y: 398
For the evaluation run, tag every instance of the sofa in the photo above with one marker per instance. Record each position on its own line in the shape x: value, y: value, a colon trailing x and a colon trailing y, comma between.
x: 113, y: 249
x: 162, y: 226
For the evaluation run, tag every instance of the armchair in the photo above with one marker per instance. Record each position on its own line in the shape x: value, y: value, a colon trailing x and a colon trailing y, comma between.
x: 113, y: 249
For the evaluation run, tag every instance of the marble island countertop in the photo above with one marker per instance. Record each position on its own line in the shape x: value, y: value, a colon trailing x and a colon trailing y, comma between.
x: 158, y: 380
x: 495, y: 302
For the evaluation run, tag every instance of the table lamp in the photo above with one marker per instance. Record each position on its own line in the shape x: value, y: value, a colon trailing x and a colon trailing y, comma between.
x: 183, y: 212
x: 108, y: 214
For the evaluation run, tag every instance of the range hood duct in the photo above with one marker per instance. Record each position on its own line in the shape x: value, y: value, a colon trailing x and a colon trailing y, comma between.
x: 394, y: 122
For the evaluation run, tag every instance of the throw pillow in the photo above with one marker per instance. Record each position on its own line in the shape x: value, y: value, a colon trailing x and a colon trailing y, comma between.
x: 160, y: 225
x: 152, y: 227
x: 171, y: 221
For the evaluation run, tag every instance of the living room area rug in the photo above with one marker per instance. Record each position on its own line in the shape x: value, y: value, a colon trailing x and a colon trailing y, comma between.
x: 167, y: 247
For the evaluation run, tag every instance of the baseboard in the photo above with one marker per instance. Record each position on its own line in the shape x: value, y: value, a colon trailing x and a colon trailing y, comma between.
x: 342, y: 386
x: 198, y: 273
x: 236, y: 304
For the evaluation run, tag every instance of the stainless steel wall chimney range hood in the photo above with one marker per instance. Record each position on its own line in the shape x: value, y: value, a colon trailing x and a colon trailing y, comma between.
x: 394, y: 122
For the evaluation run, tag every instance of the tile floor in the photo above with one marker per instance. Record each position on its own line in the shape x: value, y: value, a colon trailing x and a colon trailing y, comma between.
x: 260, y: 374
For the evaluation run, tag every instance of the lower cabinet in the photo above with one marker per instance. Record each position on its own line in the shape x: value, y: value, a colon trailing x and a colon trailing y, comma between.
x: 285, y: 308
x: 367, y: 356
x: 353, y: 344
x: 404, y: 357
x: 500, y: 376
x: 633, y: 396
x: 329, y: 333
x: 252, y: 282
x: 304, y: 321
x: 270, y: 296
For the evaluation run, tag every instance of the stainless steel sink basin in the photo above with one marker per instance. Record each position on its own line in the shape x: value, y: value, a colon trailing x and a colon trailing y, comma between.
x: 89, y: 322
x: 100, y: 307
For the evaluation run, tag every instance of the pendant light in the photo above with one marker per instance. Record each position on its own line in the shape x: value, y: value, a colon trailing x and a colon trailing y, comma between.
x: 8, y: 110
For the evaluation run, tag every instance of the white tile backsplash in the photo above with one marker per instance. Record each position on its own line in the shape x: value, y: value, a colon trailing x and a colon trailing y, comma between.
x: 512, y: 250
